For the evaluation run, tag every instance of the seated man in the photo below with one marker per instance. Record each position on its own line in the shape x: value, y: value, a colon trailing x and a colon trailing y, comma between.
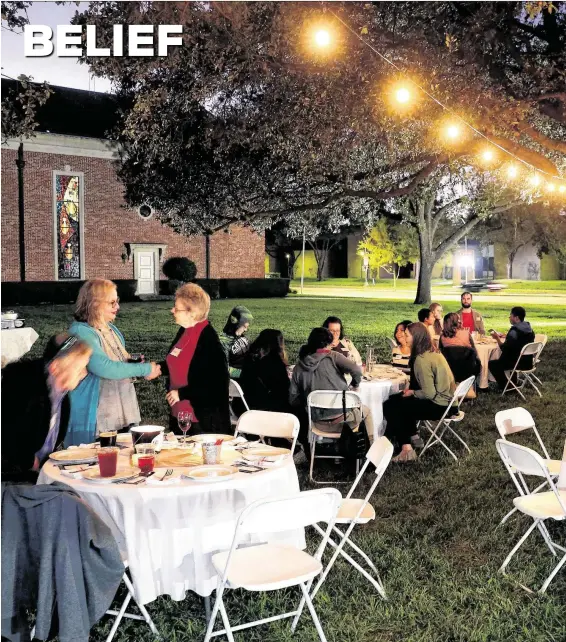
x: 511, y: 345
x: 35, y: 407
x: 471, y: 319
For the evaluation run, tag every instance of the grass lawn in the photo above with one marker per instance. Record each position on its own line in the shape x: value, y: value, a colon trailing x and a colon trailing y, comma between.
x: 434, y: 540
x: 514, y: 286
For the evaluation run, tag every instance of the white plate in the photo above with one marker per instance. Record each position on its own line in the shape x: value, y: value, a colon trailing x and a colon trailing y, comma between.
x: 74, y: 456
x: 216, y: 473
x: 212, y: 437
x: 270, y: 454
x: 122, y: 473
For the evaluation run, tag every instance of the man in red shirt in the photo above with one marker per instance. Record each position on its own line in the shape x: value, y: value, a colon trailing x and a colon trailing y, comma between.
x: 471, y: 319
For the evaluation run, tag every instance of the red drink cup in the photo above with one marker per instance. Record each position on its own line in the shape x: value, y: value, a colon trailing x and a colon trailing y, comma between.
x: 146, y: 463
x: 107, y: 461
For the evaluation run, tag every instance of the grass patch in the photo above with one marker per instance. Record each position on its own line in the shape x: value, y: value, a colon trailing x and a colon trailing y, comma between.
x: 434, y: 540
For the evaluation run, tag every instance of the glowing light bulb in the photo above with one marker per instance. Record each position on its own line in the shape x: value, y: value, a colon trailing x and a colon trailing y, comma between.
x: 488, y: 155
x: 512, y: 171
x: 453, y: 131
x: 562, y: 189
x: 550, y: 187
x: 322, y: 38
x: 535, y: 180
x: 402, y: 95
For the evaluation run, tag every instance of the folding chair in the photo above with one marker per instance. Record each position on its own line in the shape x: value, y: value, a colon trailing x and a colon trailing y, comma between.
x: 540, y: 506
x: 446, y: 421
x: 530, y: 350
x: 269, y: 424
x: 539, y: 338
x: 270, y: 567
x: 328, y: 399
x: 235, y: 392
x: 358, y: 511
x: 122, y: 612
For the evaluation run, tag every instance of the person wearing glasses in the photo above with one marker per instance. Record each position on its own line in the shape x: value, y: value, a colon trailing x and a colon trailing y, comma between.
x: 106, y: 398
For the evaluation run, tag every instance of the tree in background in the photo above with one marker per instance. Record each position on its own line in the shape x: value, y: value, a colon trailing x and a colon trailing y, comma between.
x: 390, y: 246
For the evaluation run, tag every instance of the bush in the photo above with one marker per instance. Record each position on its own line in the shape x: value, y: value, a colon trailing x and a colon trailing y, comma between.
x: 180, y: 268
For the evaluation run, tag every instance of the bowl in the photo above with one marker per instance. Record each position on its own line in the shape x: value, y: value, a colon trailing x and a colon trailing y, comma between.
x: 145, y: 434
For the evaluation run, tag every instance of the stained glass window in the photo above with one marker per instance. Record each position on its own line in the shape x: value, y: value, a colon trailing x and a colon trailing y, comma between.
x: 68, y: 221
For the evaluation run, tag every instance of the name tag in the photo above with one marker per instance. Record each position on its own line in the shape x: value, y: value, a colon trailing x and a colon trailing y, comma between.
x: 175, y: 352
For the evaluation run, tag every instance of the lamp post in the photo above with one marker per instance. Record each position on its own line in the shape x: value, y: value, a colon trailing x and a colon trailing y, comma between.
x: 288, y: 256
x: 366, y: 268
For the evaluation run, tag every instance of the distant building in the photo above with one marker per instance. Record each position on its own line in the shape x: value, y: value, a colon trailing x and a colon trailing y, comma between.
x: 76, y: 223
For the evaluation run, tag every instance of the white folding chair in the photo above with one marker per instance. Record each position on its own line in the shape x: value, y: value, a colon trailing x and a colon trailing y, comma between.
x: 330, y: 400
x: 235, y: 392
x: 358, y: 511
x: 445, y: 423
x: 270, y: 567
x: 542, y: 339
x: 540, y: 506
x: 269, y: 424
x: 132, y: 616
x: 523, y: 375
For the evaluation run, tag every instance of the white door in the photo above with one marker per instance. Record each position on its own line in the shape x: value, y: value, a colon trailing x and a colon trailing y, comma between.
x: 146, y: 272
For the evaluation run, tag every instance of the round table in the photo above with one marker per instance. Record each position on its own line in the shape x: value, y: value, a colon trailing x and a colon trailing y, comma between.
x: 16, y: 342
x: 487, y: 349
x: 385, y: 381
x: 169, y: 533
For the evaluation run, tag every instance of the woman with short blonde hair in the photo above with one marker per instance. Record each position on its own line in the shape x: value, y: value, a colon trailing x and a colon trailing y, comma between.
x: 196, y: 366
x: 106, y: 398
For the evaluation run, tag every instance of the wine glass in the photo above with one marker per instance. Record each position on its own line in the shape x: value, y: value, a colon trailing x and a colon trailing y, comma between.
x: 184, y: 418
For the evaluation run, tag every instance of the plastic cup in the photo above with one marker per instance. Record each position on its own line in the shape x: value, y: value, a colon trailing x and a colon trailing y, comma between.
x: 108, y: 438
x: 146, y: 457
x: 211, y: 453
x: 107, y: 461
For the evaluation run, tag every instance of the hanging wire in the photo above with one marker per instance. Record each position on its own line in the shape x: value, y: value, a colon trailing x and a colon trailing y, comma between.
x: 438, y: 102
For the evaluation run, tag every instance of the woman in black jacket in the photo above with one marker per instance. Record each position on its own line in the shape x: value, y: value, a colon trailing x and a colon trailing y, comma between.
x: 196, y: 366
x: 264, y: 378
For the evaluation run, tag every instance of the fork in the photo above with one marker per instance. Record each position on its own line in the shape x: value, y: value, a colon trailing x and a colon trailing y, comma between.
x: 168, y: 473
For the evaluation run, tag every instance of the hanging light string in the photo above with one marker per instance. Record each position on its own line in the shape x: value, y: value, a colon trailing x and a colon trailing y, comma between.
x: 448, y: 109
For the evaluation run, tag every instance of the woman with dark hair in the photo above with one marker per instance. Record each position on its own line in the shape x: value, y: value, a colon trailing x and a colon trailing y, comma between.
x: 457, y: 345
x: 430, y: 392
x: 402, y: 346
x: 264, y: 377
x: 341, y: 344
x: 321, y: 368
x: 234, y: 343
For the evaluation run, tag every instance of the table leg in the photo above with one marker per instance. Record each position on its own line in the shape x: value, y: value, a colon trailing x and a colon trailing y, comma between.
x: 207, y: 609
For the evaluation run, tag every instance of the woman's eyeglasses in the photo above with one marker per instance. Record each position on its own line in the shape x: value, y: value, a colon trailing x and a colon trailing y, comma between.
x: 113, y: 303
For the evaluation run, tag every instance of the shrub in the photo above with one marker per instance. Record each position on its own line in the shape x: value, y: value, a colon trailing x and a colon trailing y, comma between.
x: 180, y: 268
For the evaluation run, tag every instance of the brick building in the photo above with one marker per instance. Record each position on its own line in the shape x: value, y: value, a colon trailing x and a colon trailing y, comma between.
x: 75, y: 222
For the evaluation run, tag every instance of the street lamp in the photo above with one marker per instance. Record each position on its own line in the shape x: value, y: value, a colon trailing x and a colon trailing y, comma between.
x: 288, y: 256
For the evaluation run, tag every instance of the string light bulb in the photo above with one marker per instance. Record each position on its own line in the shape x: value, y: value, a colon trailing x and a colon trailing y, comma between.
x: 488, y: 155
x: 535, y: 180
x: 322, y: 38
x: 453, y: 132
x: 402, y: 95
x: 512, y: 171
x: 562, y: 189
x: 550, y: 187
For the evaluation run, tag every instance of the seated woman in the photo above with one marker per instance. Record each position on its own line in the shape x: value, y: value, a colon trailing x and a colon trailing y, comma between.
x: 436, y: 310
x: 106, y: 398
x: 233, y: 341
x: 341, y: 344
x: 196, y: 366
x: 35, y: 405
x: 321, y: 368
x: 457, y: 345
x: 431, y: 390
x: 264, y: 378
x: 402, y: 347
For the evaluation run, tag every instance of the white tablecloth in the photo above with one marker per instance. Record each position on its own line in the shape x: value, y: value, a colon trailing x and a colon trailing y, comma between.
x: 16, y: 343
x: 374, y: 393
x: 487, y: 351
x: 170, y: 533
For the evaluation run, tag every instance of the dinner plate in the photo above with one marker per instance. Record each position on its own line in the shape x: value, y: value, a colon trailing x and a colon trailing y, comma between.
x: 74, y: 456
x: 271, y: 454
x: 216, y: 473
x: 212, y: 437
x: 121, y: 474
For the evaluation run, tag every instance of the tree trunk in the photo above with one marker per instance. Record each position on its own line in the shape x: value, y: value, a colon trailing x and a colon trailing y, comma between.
x: 510, y: 261
x: 425, y: 278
